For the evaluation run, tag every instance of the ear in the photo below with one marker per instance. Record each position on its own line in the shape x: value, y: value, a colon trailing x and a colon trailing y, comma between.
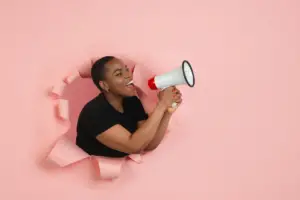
x: 104, y: 86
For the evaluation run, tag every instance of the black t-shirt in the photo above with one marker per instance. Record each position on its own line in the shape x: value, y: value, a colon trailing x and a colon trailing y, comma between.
x: 98, y: 115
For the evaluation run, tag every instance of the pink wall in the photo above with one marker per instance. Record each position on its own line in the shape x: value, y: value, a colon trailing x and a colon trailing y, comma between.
x: 244, y: 143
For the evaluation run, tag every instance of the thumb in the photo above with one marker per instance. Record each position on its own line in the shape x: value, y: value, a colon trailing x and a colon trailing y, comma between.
x: 171, y: 110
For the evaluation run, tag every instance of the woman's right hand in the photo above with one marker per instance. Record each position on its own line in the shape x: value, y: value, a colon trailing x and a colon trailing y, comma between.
x: 166, y: 96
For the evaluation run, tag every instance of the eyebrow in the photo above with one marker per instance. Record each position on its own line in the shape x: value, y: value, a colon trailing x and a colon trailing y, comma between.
x: 119, y: 69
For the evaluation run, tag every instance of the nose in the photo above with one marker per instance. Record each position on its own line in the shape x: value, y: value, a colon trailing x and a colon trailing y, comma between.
x: 129, y: 74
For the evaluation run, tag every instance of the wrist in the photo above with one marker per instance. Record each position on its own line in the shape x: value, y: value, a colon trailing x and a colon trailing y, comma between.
x: 168, y: 113
x: 161, y: 106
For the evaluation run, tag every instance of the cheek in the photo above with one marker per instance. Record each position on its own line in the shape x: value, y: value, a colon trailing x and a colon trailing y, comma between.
x: 117, y: 83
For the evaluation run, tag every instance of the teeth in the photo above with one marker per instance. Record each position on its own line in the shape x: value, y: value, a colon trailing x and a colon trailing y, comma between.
x: 131, y: 82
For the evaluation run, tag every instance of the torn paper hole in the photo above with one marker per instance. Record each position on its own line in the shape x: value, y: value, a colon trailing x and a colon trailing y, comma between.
x: 65, y: 152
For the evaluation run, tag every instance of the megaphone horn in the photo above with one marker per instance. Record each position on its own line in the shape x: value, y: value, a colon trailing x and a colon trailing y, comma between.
x: 182, y: 75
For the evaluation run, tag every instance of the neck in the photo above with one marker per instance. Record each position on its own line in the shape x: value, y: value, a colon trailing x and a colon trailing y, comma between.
x: 115, y: 100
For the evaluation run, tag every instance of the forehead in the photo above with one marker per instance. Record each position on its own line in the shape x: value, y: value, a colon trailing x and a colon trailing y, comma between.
x: 114, y: 64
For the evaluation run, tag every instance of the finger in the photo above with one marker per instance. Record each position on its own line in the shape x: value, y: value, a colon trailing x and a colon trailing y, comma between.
x: 171, y: 110
x: 177, y: 99
x: 176, y: 96
x: 176, y: 91
x: 180, y: 101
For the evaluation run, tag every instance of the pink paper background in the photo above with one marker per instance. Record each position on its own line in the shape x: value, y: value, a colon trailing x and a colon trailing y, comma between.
x: 244, y: 142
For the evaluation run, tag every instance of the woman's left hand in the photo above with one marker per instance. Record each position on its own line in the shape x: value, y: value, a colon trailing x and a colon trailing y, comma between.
x: 177, y: 99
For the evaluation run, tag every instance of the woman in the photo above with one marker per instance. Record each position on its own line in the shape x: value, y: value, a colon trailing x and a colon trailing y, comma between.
x: 115, y: 124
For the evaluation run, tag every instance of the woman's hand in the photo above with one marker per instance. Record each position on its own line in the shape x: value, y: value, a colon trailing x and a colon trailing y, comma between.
x: 169, y: 96
x: 177, y: 100
x: 166, y: 97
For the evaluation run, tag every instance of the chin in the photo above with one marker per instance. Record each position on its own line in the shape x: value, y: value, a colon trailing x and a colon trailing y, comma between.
x: 129, y: 94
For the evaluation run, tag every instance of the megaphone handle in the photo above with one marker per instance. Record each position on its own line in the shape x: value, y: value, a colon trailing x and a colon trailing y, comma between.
x: 174, y: 104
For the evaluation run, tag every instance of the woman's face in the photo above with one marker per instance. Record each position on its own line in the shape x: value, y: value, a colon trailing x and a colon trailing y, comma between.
x: 117, y: 77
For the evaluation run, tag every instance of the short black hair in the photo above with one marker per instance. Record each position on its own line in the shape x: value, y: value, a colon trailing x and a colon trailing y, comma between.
x: 98, y: 70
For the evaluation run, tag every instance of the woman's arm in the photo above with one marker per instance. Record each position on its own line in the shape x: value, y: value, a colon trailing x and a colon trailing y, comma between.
x: 160, y: 133
x: 118, y: 138
x: 162, y: 129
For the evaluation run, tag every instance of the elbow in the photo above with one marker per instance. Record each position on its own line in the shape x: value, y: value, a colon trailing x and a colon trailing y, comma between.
x: 139, y: 149
x: 151, y: 148
x: 136, y: 147
x: 134, y: 150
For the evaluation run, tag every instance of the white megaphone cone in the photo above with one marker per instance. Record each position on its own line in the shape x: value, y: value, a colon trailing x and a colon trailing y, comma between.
x: 180, y: 76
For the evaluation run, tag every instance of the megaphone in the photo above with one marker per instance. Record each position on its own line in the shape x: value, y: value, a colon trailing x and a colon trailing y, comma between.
x: 180, y: 76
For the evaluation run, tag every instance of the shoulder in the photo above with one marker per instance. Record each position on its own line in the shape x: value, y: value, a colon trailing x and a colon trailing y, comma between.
x: 94, y: 108
x: 96, y: 117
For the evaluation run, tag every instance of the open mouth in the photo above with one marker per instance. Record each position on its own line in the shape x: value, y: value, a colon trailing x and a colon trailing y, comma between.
x: 130, y: 83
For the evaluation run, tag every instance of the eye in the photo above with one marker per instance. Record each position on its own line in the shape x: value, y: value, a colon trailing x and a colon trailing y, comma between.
x: 119, y: 74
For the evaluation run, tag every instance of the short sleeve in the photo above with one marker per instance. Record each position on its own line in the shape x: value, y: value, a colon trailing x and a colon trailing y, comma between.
x: 137, y: 109
x: 95, y: 123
